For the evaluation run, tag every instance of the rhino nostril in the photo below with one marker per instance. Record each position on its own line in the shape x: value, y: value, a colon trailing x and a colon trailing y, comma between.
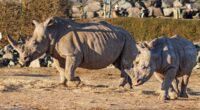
x: 139, y: 80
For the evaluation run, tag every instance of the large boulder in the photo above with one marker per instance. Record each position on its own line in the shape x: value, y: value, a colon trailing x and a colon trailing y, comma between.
x: 35, y: 64
x: 196, y: 6
x: 134, y: 12
x: 124, y: 4
x: 92, y: 7
x: 90, y: 14
x: 76, y: 9
x: 158, y: 3
x: 77, y: 15
x: 149, y: 3
x: 177, y: 3
x: 167, y: 3
x: 155, y: 12
x: 168, y: 12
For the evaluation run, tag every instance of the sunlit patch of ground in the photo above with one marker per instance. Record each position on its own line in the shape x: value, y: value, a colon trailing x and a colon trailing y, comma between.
x: 33, y: 89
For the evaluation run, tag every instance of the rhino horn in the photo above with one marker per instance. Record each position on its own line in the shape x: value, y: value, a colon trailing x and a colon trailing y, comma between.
x: 35, y: 22
x: 12, y: 41
x: 139, y: 48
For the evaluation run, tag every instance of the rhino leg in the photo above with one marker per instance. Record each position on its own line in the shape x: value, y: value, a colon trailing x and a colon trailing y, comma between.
x: 166, y: 84
x: 61, y: 70
x: 125, y: 79
x: 184, y: 83
x: 72, y: 62
x: 173, y: 93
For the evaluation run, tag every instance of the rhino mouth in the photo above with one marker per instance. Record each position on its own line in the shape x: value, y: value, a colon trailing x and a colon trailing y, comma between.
x: 25, y: 64
x: 139, y: 82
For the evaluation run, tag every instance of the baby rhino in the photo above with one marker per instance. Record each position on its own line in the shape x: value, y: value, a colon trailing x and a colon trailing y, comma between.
x: 167, y: 59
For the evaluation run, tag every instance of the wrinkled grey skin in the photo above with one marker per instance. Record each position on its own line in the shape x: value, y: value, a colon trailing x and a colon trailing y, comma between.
x: 167, y: 59
x: 86, y: 45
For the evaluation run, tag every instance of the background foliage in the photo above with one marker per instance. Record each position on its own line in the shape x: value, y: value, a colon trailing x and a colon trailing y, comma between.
x: 16, y: 20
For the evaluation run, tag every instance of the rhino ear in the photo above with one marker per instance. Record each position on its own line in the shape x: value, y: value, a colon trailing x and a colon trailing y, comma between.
x: 146, y: 45
x: 35, y: 22
x: 49, y: 22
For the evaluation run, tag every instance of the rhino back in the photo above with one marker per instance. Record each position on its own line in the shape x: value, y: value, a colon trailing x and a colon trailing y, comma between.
x: 186, y: 52
x: 99, y: 44
x: 175, y: 51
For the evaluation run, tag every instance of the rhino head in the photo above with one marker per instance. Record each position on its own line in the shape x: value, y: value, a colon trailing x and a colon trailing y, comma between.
x: 144, y: 64
x: 33, y: 47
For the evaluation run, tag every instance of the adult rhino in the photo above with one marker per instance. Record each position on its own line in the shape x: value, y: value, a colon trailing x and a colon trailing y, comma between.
x: 167, y: 59
x: 86, y: 45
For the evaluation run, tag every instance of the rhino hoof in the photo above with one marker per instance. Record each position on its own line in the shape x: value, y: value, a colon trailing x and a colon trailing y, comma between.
x: 61, y: 84
x: 73, y: 83
x: 184, y: 95
x: 162, y: 98
x: 123, y: 82
x: 173, y: 96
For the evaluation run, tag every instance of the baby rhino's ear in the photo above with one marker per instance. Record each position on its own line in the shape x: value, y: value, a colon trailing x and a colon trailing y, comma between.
x: 50, y: 22
x: 146, y: 45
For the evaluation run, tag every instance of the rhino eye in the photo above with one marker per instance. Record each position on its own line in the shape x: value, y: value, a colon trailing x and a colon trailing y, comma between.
x: 144, y: 67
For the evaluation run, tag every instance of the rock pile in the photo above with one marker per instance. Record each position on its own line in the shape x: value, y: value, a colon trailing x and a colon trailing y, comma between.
x: 187, y: 9
x: 9, y: 58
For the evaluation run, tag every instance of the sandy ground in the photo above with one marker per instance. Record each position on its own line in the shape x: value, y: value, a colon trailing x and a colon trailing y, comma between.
x: 38, y: 89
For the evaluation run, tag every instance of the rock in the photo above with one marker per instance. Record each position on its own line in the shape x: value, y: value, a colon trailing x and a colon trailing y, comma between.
x: 138, y: 5
x: 1, y: 53
x: 177, y: 4
x: 124, y: 4
x: 75, y: 9
x: 8, y: 56
x: 155, y: 12
x: 134, y: 12
x: 77, y: 15
x: 11, y: 63
x: 158, y: 3
x: 100, y: 13
x: 168, y: 12
x: 90, y: 15
x: 114, y: 14
x: 148, y: 3
x: 196, y: 6
x: 196, y: 16
x: 167, y: 3
x: 177, y: 13
x: 92, y: 7
x: 35, y: 63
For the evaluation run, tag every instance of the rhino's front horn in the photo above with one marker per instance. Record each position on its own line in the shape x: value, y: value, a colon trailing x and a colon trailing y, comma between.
x: 12, y: 41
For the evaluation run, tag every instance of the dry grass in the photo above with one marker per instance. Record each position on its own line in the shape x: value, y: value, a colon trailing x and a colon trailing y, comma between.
x: 16, y: 19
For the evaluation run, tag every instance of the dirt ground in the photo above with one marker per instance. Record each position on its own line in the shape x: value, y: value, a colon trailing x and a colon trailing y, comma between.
x: 38, y: 89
